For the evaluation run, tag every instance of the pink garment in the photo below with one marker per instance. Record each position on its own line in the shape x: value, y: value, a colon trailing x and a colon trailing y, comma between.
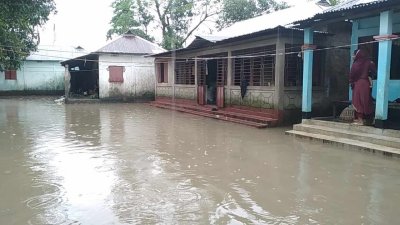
x: 362, y: 99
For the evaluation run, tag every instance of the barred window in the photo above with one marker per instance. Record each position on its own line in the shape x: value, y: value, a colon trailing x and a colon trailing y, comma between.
x: 184, y: 72
x: 256, y: 65
x: 222, y: 67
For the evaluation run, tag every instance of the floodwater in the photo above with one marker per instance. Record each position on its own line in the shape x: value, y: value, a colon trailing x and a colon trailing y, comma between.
x: 134, y: 164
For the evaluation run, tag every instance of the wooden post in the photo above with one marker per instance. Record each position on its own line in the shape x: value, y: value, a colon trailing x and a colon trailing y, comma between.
x: 67, y: 81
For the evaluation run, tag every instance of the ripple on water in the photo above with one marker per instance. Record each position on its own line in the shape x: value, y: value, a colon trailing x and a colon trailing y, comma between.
x: 54, y: 217
x: 51, y: 196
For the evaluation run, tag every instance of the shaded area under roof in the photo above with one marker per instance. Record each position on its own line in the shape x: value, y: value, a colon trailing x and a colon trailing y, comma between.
x: 92, y: 57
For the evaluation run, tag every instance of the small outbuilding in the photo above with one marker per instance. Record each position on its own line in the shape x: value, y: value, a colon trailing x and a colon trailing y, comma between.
x: 40, y: 72
x: 118, y: 71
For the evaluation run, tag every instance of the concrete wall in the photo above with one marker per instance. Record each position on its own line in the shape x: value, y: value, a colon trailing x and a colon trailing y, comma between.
x: 267, y: 97
x: 35, y: 77
x: 139, y: 77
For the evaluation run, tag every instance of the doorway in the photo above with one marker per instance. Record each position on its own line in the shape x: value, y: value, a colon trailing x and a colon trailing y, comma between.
x: 211, y: 82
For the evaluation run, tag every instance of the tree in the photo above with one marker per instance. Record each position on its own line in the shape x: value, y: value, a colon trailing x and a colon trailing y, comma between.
x: 238, y: 10
x: 131, y: 15
x: 334, y: 2
x: 175, y: 19
x: 19, y: 21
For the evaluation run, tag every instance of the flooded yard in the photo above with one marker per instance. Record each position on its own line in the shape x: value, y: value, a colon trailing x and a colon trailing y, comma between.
x: 134, y: 164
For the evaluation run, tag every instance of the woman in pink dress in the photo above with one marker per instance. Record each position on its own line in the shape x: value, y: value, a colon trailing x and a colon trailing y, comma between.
x: 360, y: 84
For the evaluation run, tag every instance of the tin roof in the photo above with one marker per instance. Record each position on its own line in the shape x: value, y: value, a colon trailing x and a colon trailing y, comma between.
x: 55, y: 53
x: 131, y: 44
x: 265, y: 24
x: 348, y: 10
x: 284, y: 18
x: 352, y: 4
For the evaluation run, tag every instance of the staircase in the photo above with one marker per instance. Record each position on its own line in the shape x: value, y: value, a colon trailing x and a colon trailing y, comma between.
x: 345, y: 134
x: 258, y: 119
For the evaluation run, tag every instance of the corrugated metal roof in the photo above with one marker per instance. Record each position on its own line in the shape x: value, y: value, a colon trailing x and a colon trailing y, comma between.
x: 284, y: 17
x: 352, y: 4
x: 131, y: 44
x: 55, y: 53
x: 348, y: 9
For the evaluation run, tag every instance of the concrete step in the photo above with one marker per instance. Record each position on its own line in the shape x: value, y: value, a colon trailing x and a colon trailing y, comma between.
x: 340, y: 141
x: 221, y: 112
x: 210, y: 114
x: 261, y: 113
x: 351, y: 127
x: 378, y: 139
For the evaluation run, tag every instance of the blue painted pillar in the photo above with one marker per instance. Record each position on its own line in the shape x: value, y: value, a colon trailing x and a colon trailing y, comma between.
x: 384, y: 60
x: 307, y: 73
x: 354, y: 46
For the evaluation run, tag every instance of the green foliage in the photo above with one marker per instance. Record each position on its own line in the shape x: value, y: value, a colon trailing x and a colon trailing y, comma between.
x: 19, y: 21
x: 334, y: 2
x: 131, y: 15
x: 238, y: 10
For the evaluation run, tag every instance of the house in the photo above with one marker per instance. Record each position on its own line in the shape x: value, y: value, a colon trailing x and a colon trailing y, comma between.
x: 118, y: 71
x: 375, y: 28
x: 40, y: 72
x: 262, y: 55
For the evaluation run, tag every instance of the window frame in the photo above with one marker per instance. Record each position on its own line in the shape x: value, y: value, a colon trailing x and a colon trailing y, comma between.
x: 10, y: 74
x: 115, y: 78
x: 162, y: 72
x: 259, y: 71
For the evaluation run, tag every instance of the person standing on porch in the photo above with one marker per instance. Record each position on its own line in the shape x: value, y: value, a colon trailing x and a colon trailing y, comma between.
x: 360, y: 84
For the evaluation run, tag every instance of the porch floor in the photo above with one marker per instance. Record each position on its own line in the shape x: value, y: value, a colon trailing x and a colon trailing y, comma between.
x: 241, y: 115
x: 366, y: 138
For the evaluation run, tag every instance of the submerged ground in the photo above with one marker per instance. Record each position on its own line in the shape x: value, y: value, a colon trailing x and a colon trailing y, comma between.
x: 134, y: 164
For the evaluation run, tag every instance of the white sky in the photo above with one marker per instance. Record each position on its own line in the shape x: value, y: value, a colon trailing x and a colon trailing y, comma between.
x: 84, y: 23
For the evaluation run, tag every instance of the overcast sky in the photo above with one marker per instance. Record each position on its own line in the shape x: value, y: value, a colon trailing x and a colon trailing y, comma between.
x: 84, y: 23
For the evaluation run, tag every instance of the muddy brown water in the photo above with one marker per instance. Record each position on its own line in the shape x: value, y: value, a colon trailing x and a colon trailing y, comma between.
x: 134, y: 164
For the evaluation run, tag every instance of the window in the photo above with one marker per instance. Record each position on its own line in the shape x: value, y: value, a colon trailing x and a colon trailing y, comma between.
x: 184, y: 72
x: 256, y: 65
x: 294, y: 66
x: 373, y: 50
x: 116, y: 74
x: 222, y: 67
x: 162, y: 72
x: 10, y: 74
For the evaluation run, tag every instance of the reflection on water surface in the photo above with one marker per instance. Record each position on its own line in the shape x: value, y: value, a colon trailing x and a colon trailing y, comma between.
x: 133, y: 164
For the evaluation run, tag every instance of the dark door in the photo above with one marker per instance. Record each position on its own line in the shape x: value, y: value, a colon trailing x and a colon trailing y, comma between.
x: 211, y: 82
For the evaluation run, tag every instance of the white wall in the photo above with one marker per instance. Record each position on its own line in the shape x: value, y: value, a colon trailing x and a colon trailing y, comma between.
x: 40, y: 76
x: 139, y: 77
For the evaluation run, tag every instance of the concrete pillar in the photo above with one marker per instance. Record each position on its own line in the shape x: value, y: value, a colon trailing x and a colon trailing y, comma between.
x: 196, y: 80
x: 353, y: 47
x: 308, y: 49
x: 384, y: 61
x: 67, y: 81
x: 279, y: 74
x: 173, y: 77
x: 229, y: 75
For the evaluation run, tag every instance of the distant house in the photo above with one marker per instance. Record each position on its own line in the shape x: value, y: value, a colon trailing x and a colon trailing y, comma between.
x: 40, y: 73
x: 255, y: 64
x: 117, y: 71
